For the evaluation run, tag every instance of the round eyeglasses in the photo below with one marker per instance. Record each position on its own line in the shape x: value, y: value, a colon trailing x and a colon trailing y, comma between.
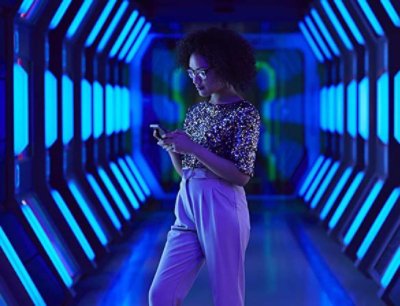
x: 201, y: 72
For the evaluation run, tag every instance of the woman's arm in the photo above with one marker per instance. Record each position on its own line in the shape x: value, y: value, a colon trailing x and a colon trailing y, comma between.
x: 176, y: 161
x: 222, y: 167
x: 179, y: 141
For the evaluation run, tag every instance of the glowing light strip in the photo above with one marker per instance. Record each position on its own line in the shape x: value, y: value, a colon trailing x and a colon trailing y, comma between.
x: 126, y: 114
x: 352, y: 108
x: 363, y: 212
x: 132, y: 180
x: 50, y: 108
x: 350, y: 22
x: 88, y: 213
x: 325, y: 32
x: 383, y: 108
x: 21, y: 110
x: 112, y: 26
x: 25, y: 6
x: 100, y: 23
x: 98, y: 109
x: 331, y: 108
x: 67, y: 109
x: 117, y: 109
x: 339, y: 187
x: 47, y: 245
x: 124, y: 33
x: 390, y: 10
x: 114, y: 193
x: 397, y: 106
x: 318, y: 179
x: 124, y: 185
x: 346, y: 200
x: 78, y: 18
x: 371, y: 17
x: 324, y: 185
x: 323, y: 112
x: 311, y: 175
x: 363, y: 108
x: 311, y: 42
x: 86, y: 109
x: 336, y: 24
x: 66, y: 213
x: 340, y: 108
x: 377, y: 225
x: 20, y: 270
x: 138, y: 175
x: 131, y: 38
x: 391, y: 269
x: 318, y: 37
x: 59, y: 14
x: 104, y: 202
x: 110, y: 109
x: 138, y: 42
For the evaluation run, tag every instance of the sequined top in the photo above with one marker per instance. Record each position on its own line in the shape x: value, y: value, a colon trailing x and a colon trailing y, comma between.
x: 229, y: 130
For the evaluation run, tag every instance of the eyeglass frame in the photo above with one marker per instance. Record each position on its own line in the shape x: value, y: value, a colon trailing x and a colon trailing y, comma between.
x: 192, y: 73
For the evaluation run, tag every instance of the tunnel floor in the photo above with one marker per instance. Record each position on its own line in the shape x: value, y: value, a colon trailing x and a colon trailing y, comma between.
x: 290, y: 260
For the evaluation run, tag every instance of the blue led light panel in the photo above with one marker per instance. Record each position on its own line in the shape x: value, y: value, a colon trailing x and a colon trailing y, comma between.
x: 366, y: 206
x: 124, y: 33
x: 350, y: 22
x: 21, y: 109
x: 131, y: 38
x: 110, y: 109
x: 339, y: 108
x: 336, y: 24
x: 59, y: 13
x: 50, y: 108
x: 363, y: 108
x: 138, y: 42
x: 86, y: 106
x: 19, y: 268
x: 126, y: 114
x: 391, y: 269
x: 98, y: 109
x: 370, y: 16
x: 67, y: 109
x: 73, y: 224
x: 377, y: 225
x: 76, y: 23
x: 346, y: 200
x: 100, y: 23
x: 339, y: 187
x: 311, y: 42
x: 397, y: 106
x: 383, y: 108
x: 323, y: 109
x: 352, y: 108
x: 325, y: 32
x: 311, y: 175
x: 112, y: 26
x: 391, y: 11
x: 318, y: 37
x: 47, y: 244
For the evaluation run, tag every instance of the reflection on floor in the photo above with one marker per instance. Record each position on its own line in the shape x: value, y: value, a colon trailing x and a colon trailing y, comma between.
x: 290, y: 261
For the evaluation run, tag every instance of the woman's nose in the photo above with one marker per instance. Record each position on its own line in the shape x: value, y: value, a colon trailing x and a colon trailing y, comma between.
x: 196, y: 80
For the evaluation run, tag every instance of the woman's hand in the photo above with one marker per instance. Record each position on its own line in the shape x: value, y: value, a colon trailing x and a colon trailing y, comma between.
x: 179, y: 142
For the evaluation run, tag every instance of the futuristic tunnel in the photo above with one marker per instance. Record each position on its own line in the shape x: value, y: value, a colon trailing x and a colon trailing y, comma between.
x: 86, y: 195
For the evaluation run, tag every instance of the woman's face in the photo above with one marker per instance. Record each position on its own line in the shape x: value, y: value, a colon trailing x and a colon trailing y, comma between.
x: 204, y: 77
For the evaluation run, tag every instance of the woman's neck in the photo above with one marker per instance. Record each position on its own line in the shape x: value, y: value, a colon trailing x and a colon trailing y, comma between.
x: 230, y: 96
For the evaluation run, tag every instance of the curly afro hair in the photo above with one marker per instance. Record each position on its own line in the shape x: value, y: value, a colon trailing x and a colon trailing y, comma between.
x: 226, y: 51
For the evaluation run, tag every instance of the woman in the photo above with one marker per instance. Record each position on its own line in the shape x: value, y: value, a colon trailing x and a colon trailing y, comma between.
x: 215, y: 156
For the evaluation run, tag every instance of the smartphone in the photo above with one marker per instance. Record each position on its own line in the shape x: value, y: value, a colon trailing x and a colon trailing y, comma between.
x: 160, y: 132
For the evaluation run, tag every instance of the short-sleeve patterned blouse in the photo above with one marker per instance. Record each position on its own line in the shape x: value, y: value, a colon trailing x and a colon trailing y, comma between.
x: 229, y: 130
